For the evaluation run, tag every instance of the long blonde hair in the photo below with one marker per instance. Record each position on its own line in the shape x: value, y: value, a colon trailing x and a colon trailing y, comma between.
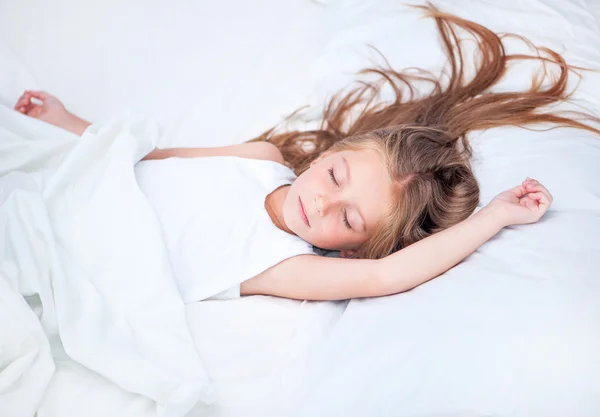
x: 423, y: 138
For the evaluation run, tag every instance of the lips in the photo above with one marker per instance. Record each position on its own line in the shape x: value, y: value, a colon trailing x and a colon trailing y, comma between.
x: 302, y: 212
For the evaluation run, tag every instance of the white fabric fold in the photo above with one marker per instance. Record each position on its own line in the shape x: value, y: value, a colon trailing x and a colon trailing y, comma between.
x: 76, y: 230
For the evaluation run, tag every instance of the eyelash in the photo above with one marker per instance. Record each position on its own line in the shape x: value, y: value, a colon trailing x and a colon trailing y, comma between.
x: 333, y: 177
x: 346, y: 222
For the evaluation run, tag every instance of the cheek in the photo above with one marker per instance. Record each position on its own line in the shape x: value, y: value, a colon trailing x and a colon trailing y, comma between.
x: 330, y: 234
x: 312, y: 181
x: 289, y: 215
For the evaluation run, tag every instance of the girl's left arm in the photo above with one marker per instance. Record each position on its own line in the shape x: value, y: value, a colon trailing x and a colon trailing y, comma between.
x: 309, y: 277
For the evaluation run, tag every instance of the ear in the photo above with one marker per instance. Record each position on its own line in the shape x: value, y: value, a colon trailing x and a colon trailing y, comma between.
x: 347, y: 253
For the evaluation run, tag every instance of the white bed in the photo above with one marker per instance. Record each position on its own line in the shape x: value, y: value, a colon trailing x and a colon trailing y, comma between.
x: 237, y: 67
x: 513, y: 331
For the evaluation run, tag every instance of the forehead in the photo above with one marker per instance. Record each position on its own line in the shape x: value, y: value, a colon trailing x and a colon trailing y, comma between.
x: 370, y: 187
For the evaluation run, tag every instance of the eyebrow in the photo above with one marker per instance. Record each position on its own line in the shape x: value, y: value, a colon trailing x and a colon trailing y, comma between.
x: 347, y: 166
x: 347, y: 169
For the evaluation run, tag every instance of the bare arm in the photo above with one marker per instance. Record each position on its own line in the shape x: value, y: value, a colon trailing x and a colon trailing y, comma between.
x: 75, y: 124
x: 436, y: 254
x: 46, y: 107
x: 319, y: 278
x: 252, y: 150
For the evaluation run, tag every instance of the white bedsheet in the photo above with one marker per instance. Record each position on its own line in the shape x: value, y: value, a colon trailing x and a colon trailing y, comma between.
x: 255, y: 349
x: 78, y: 233
x: 515, y: 329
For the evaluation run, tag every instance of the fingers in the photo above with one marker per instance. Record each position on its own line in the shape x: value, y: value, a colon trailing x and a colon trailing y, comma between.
x: 26, y: 97
x: 23, y: 102
x: 540, y: 197
x: 518, y: 191
x: 540, y: 202
x: 537, y: 199
x: 41, y: 95
x: 529, y: 181
x: 533, y: 186
x: 27, y: 106
x: 530, y: 202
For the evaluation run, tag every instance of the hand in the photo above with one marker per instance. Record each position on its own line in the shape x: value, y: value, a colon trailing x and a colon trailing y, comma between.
x: 524, y: 204
x: 50, y: 111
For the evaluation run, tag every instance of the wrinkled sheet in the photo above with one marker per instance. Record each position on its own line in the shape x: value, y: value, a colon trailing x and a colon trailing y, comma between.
x: 78, y: 236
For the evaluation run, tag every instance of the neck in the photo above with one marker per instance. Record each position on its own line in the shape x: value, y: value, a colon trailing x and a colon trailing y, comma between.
x: 274, y: 206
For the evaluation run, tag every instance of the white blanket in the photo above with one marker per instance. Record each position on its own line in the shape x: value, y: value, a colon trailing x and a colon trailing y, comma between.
x: 77, y: 233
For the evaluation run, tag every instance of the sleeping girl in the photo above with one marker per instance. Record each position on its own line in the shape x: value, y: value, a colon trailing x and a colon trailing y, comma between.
x: 387, y: 184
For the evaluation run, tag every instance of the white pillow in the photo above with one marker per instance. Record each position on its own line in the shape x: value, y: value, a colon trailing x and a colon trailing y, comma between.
x: 513, y: 330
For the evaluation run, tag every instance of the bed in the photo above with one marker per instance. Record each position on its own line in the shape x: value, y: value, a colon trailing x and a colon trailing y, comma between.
x: 512, y: 331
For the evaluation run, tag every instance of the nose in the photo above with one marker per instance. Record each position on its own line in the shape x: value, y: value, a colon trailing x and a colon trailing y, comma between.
x: 323, y: 204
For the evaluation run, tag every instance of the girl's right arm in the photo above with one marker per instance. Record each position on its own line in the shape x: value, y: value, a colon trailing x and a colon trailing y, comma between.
x: 310, y: 277
x: 252, y: 150
x: 52, y: 111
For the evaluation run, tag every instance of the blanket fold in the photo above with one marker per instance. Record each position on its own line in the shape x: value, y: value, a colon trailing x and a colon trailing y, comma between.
x: 77, y: 231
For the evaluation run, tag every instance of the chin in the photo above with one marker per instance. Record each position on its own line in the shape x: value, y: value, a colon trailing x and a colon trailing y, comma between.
x: 303, y: 236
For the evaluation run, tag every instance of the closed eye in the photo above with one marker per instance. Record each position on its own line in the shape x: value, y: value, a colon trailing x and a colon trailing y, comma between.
x: 333, y: 177
x: 346, y: 222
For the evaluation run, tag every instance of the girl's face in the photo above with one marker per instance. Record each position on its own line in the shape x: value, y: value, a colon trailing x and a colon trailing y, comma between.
x: 337, y: 202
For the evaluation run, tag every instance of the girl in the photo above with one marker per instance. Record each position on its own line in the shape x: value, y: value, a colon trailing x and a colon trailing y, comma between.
x: 388, y: 185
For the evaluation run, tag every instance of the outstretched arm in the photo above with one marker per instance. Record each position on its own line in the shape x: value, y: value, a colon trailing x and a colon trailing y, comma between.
x: 430, y: 257
x: 43, y: 106
x: 318, y: 278
x: 251, y: 150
